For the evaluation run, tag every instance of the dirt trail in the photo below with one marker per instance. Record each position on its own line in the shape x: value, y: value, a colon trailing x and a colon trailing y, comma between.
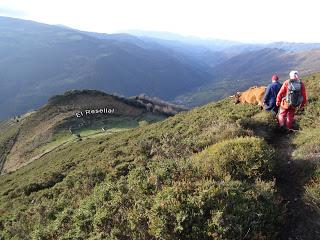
x: 301, y: 222
x: 48, y: 151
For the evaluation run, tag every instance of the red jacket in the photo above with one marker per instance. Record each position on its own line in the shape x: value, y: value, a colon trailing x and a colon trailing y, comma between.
x: 283, y: 92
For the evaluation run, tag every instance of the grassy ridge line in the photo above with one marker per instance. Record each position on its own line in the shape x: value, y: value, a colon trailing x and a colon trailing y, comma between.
x: 40, y: 127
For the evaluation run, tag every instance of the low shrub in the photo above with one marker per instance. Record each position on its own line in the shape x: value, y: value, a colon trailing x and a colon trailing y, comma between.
x: 308, y: 144
x: 244, y: 158
x: 312, y: 191
x: 214, y: 210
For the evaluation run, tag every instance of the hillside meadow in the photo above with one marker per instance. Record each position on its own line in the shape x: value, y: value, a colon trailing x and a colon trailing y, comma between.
x: 208, y: 173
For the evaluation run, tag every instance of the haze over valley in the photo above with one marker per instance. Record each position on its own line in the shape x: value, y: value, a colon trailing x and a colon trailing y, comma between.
x: 39, y: 60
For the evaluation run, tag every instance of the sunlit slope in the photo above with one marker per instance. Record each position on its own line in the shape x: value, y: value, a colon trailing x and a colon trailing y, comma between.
x: 208, y: 173
x: 64, y: 119
x: 307, y: 141
x: 143, y: 184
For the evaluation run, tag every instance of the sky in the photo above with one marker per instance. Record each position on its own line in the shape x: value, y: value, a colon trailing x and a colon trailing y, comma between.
x: 239, y: 20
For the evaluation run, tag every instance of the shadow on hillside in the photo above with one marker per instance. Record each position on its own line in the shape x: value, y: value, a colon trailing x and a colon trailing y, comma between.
x: 301, y: 221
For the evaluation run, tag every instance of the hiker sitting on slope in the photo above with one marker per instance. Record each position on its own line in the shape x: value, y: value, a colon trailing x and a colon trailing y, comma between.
x: 269, y: 99
x: 291, y: 95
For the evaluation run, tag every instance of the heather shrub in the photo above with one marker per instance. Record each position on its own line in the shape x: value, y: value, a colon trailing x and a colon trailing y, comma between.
x: 244, y: 158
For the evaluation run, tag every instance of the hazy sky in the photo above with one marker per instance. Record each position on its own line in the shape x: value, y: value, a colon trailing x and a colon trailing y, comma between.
x: 242, y: 20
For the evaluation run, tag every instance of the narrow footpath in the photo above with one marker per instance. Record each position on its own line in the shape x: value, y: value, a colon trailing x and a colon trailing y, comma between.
x: 301, y: 222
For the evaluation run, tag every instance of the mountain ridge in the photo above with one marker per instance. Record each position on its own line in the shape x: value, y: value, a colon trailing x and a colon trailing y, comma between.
x: 252, y: 68
x: 71, y: 116
x: 53, y: 59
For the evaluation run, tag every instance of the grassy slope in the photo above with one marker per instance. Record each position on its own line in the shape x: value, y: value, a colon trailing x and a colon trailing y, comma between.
x: 142, y: 184
x: 9, y: 133
x: 308, y: 141
x: 198, y: 175
x: 7, y: 138
x: 49, y: 126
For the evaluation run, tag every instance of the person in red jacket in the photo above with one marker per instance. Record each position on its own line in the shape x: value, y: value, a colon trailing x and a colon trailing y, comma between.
x: 291, y: 95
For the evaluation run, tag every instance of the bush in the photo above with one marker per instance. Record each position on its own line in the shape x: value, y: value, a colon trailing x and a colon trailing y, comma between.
x: 312, y: 194
x: 308, y: 144
x: 218, y: 131
x: 244, y: 158
x: 214, y: 210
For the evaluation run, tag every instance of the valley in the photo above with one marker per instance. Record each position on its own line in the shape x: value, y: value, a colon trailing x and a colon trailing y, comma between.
x: 187, y: 71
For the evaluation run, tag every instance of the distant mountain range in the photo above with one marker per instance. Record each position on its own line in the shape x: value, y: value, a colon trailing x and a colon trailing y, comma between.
x: 39, y: 60
x: 252, y: 68
x: 224, y: 45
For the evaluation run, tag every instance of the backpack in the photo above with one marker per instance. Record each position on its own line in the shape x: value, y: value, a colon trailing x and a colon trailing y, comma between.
x: 294, y: 94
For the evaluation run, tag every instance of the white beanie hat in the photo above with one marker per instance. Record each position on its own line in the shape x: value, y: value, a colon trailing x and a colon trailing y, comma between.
x: 293, y: 74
